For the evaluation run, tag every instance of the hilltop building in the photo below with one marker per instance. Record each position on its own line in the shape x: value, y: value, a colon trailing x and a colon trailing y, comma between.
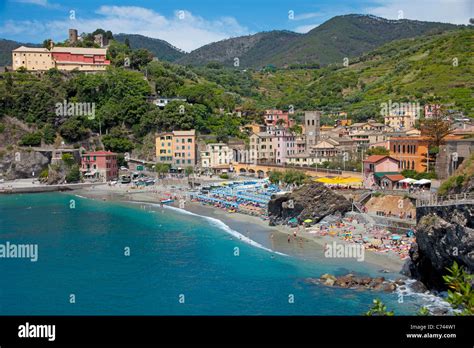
x: 61, y: 58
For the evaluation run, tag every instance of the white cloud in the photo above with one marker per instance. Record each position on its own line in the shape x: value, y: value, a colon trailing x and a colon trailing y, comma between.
x: 303, y: 29
x: 307, y: 15
x: 43, y: 3
x: 182, y: 29
x: 447, y: 11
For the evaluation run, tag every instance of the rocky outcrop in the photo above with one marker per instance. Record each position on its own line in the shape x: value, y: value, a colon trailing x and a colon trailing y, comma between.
x: 312, y: 201
x: 18, y: 164
x: 444, y: 234
x: 351, y: 281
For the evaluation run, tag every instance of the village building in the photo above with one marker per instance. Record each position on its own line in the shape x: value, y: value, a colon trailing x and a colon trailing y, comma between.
x: 99, y: 165
x: 412, y: 152
x: 177, y: 148
x: 61, y: 58
x: 375, y: 167
x: 273, y: 118
x: 216, y: 154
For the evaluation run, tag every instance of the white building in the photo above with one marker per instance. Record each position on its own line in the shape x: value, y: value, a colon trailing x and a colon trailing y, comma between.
x: 216, y: 154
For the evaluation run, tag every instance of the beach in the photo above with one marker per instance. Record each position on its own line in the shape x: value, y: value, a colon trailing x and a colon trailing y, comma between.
x: 279, y: 238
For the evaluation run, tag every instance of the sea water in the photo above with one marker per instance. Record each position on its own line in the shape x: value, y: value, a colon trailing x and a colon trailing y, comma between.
x: 111, y: 258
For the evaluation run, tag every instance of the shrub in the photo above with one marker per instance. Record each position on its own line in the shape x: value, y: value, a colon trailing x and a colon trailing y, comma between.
x: 74, y: 175
x: 44, y: 174
x: 31, y: 139
x: 224, y: 176
x: 68, y: 159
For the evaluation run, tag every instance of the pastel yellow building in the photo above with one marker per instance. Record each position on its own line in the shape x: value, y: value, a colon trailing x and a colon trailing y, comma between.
x: 62, y: 58
x: 32, y: 59
x: 164, y: 148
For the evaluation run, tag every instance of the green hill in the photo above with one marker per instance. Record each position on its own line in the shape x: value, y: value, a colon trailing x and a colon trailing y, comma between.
x: 251, y: 50
x: 340, y: 37
x: 418, y: 69
x: 6, y: 47
x: 160, y: 48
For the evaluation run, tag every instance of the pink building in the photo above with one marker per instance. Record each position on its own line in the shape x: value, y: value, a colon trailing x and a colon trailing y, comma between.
x: 285, y: 145
x: 432, y: 110
x: 100, y: 165
x: 273, y: 116
x: 378, y: 166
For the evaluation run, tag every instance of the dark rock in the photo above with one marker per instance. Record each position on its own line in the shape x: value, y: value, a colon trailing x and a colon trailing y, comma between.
x: 418, y: 287
x: 444, y: 234
x: 399, y: 282
x: 389, y: 287
x: 312, y: 201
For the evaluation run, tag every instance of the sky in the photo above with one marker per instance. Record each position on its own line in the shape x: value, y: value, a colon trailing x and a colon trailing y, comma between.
x: 189, y: 24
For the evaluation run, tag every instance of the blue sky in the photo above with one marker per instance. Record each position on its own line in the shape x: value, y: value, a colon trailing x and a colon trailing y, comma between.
x: 189, y: 24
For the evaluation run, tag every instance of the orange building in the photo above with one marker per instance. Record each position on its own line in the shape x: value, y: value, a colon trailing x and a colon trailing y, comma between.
x: 411, y: 152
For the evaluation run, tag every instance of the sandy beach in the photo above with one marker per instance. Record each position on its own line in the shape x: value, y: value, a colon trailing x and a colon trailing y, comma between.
x: 277, y: 238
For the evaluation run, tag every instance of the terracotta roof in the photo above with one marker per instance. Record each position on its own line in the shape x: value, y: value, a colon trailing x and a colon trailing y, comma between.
x: 95, y: 153
x: 377, y: 158
x: 394, y: 177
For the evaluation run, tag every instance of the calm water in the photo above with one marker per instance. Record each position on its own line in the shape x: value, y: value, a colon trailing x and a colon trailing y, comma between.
x: 81, y: 252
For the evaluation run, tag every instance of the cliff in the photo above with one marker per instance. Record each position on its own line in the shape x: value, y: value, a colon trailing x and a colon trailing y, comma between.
x: 312, y: 201
x: 444, y: 234
x: 18, y: 164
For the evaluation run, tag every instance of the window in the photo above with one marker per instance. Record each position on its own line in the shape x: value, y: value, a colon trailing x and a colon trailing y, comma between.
x: 190, y: 140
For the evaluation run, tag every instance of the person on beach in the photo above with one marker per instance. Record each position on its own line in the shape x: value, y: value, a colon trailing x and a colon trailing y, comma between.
x: 289, y: 238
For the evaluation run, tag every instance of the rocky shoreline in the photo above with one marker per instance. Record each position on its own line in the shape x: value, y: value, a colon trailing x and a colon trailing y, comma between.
x: 351, y: 281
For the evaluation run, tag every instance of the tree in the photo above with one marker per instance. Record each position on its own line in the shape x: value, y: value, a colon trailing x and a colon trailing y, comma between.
x: 68, y: 159
x: 49, y: 134
x: 378, y: 150
x: 436, y: 128
x: 297, y: 129
x: 74, y: 175
x: 140, y: 58
x: 73, y: 130
x: 162, y: 168
x: 31, y: 139
x: 275, y: 176
x: 188, y: 170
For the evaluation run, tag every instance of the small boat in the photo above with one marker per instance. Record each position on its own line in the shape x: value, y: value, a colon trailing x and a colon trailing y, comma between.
x: 166, y: 201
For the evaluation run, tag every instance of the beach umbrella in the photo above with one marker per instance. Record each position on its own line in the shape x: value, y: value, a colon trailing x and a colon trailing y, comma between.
x: 422, y: 182
x: 396, y: 237
x: 308, y: 220
x: 293, y: 220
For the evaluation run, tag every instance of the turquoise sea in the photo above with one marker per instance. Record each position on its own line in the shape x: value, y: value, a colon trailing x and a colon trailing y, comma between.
x: 179, y: 264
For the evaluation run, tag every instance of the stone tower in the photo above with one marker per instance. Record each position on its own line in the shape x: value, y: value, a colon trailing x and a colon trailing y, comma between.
x: 72, y: 36
x: 311, y: 128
